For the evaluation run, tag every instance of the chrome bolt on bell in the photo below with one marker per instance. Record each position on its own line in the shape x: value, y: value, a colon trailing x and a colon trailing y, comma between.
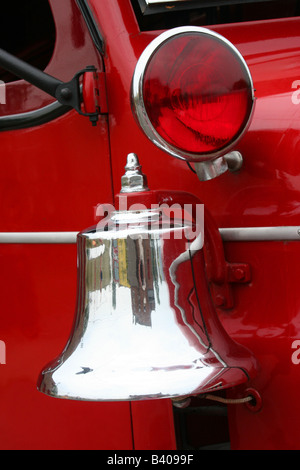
x: 133, y: 180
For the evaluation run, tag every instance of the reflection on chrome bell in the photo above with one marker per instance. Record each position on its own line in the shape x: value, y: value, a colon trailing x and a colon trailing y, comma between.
x: 145, y: 325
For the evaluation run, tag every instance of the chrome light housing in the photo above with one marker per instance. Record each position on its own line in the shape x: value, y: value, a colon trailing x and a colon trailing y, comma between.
x: 192, y: 94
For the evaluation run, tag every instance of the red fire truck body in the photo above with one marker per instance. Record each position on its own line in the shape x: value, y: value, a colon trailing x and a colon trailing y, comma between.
x: 56, y: 170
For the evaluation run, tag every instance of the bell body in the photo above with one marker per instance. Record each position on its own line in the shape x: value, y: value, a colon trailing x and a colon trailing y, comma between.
x: 145, y: 326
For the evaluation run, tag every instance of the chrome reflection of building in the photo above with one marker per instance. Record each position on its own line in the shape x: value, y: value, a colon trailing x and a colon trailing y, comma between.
x: 132, y: 264
x: 140, y: 277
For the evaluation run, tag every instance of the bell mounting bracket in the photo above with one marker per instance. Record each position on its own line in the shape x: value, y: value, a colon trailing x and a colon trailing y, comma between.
x: 67, y: 93
x: 221, y: 274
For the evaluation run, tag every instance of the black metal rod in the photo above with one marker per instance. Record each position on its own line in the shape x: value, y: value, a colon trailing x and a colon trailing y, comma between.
x: 29, y: 73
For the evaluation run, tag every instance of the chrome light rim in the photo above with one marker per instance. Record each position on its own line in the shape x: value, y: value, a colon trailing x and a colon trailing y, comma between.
x: 138, y: 105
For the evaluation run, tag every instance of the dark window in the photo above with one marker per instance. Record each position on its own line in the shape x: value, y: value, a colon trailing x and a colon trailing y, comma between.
x: 167, y: 15
x: 27, y: 30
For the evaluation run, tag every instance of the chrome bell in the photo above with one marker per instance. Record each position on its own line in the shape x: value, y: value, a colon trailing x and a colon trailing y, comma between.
x: 145, y: 325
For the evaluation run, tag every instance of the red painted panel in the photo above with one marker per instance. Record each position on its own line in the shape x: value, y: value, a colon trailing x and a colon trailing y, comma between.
x: 37, y: 304
x: 152, y: 424
x: 266, y: 319
x: 52, y: 180
x: 264, y: 192
x: 53, y: 176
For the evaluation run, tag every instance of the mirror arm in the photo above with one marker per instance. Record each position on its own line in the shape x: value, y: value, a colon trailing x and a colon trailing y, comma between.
x: 66, y: 93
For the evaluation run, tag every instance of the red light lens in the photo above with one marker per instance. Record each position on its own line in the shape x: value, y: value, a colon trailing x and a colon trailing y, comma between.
x: 197, y: 93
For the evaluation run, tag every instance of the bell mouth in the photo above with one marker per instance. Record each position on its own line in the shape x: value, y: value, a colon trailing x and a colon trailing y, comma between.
x: 141, y: 384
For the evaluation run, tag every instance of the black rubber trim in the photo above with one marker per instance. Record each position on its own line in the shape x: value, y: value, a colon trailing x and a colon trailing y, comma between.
x: 91, y: 25
x: 33, y: 118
